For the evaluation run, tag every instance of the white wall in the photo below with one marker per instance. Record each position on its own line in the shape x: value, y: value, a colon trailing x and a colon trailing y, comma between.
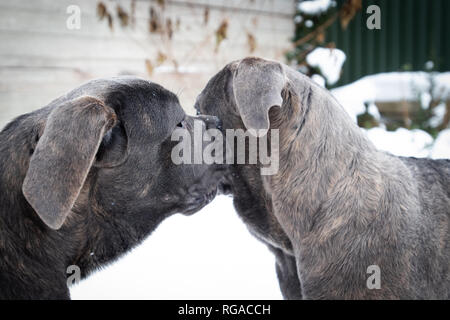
x: 40, y: 58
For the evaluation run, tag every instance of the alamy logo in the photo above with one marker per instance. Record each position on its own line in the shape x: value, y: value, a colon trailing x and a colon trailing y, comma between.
x: 374, y: 21
x: 74, y: 273
x: 207, y: 146
x: 73, y: 22
x: 374, y: 280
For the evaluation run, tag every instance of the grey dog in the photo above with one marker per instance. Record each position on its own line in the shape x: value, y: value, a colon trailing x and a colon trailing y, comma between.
x: 88, y: 177
x: 337, y: 207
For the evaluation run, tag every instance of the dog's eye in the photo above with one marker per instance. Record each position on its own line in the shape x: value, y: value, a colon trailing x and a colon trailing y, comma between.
x: 197, y: 113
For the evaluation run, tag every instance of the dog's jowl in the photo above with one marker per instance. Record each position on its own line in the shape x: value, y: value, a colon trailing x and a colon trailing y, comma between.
x: 86, y: 178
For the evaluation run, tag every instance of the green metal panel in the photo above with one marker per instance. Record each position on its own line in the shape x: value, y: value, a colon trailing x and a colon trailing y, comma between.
x: 412, y: 33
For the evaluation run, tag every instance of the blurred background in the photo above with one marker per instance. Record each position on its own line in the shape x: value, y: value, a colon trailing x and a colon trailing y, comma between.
x: 387, y: 62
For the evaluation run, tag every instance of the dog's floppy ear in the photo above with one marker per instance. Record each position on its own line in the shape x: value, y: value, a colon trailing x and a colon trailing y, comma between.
x: 257, y: 86
x: 63, y: 156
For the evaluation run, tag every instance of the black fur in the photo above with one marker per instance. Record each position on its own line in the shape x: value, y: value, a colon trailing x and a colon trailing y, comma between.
x: 130, y: 188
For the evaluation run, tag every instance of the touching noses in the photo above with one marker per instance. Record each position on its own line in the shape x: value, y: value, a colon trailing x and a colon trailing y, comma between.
x: 211, y: 122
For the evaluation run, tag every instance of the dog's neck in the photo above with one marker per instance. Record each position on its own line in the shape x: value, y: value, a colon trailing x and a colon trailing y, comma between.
x: 319, y: 146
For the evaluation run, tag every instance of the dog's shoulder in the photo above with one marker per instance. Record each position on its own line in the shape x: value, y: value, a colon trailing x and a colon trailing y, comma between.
x: 430, y: 171
x: 441, y: 166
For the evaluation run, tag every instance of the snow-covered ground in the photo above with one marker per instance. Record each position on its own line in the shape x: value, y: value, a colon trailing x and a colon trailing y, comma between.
x: 209, y: 255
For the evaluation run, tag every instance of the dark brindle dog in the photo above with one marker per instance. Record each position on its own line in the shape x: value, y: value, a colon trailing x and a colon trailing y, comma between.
x: 337, y: 206
x: 86, y: 178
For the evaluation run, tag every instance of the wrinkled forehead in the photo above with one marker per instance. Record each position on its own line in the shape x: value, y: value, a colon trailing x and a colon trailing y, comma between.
x: 151, y: 109
x: 144, y: 108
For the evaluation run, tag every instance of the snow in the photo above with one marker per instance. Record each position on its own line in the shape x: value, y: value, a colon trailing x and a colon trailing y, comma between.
x: 429, y: 65
x: 328, y: 61
x: 402, y: 142
x: 298, y: 19
x: 400, y: 86
x: 395, y: 86
x: 309, y: 23
x: 319, y: 80
x: 373, y: 111
x: 425, y: 99
x: 315, y: 7
x: 438, y: 115
x: 411, y: 143
x: 210, y: 255
x: 354, y: 96
x: 441, y: 147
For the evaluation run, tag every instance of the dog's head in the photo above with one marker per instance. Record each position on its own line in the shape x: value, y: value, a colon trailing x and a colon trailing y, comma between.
x: 249, y: 94
x: 108, y: 145
x: 244, y: 92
